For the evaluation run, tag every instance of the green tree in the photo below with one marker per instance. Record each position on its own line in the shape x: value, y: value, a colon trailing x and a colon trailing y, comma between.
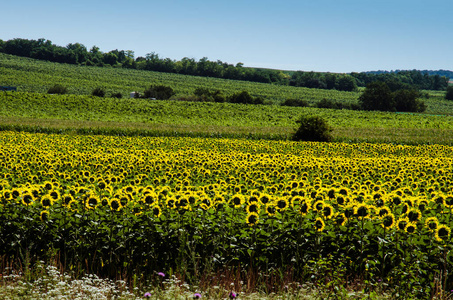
x: 449, y: 94
x: 313, y: 128
x: 406, y: 100
x: 160, y: 92
x: 377, y: 96
x: 346, y: 83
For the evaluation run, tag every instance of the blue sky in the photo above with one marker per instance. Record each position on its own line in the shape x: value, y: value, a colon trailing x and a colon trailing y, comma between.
x: 315, y: 35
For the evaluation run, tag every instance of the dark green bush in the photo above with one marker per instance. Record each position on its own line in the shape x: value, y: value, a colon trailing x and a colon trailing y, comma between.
x: 379, y: 96
x: 449, y: 94
x: 160, y: 92
x: 57, y: 89
x: 117, y: 95
x: 98, y: 92
x: 205, y: 95
x: 295, y: 102
x: 406, y: 100
x: 313, y: 128
x: 246, y: 98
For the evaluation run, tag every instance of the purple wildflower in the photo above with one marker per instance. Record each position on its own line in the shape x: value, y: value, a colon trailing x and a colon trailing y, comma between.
x: 161, y: 274
x: 147, y: 295
x: 197, y: 296
x: 233, y: 295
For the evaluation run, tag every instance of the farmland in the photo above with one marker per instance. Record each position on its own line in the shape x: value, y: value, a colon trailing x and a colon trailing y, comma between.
x: 373, y: 213
x: 215, y: 193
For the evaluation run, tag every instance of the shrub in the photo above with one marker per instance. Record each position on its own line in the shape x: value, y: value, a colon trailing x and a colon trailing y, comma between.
x: 406, y: 100
x: 57, y: 89
x: 449, y: 94
x: 246, y: 98
x: 98, y: 92
x: 378, y: 96
x: 117, y: 95
x: 295, y: 102
x: 205, y: 95
x: 313, y: 128
x: 160, y: 92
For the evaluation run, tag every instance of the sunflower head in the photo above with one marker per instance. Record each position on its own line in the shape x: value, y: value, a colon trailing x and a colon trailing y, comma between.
x: 319, y: 224
x: 44, y: 216
x: 410, y: 228
x: 432, y: 223
x: 388, y: 221
x: 253, y: 208
x: 252, y: 219
x: 237, y: 200
x: 115, y: 204
x: 271, y: 209
x: 442, y: 233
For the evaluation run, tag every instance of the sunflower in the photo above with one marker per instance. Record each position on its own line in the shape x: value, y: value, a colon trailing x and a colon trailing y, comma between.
x: 410, y: 228
x: 282, y: 203
x: 171, y: 202
x: 362, y: 210
x: 383, y: 211
x: 15, y: 193
x: 149, y: 198
x: 28, y: 198
x: 183, y: 202
x: 252, y: 219
x: 271, y: 209
x: 449, y: 201
x: 46, y: 200
x: 318, y: 205
x: 414, y: 215
x: 156, y: 211
x: 264, y: 199
x: 319, y: 224
x: 92, y: 202
x: 340, y: 219
x: 402, y: 223
x: 47, y: 185
x: 341, y: 200
x: 304, y: 207
x: 44, y: 216
x: 422, y: 205
x: 442, y: 233
x: 388, y: 221
x: 327, y: 211
x: 67, y: 198
x: 115, y: 204
x: 237, y: 200
x: 432, y: 223
x: 252, y: 208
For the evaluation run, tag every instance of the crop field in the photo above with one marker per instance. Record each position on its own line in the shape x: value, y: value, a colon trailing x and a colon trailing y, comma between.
x: 37, y: 112
x: 264, y: 212
x: 38, y: 76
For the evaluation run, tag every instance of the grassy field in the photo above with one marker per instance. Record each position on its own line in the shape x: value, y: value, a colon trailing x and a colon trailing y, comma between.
x: 86, y: 114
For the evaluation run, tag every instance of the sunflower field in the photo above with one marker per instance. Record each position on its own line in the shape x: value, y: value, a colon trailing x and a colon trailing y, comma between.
x: 378, y: 215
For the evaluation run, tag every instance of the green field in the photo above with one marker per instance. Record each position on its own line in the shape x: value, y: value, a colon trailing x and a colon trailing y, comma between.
x: 38, y: 112
x: 232, y: 203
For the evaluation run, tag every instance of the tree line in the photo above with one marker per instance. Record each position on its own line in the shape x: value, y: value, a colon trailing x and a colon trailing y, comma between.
x: 76, y: 53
